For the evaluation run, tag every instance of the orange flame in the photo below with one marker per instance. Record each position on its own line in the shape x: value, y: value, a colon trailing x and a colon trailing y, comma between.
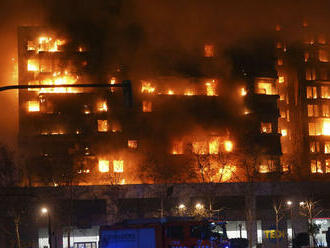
x: 118, y: 166
x: 211, y: 88
x: 214, y: 146
x: 104, y: 166
x: 147, y: 88
x: 33, y: 106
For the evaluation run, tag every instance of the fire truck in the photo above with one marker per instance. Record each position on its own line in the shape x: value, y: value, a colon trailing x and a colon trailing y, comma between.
x: 165, y: 233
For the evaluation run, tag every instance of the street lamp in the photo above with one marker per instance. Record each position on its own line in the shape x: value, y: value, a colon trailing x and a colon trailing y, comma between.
x: 199, y: 206
x: 182, y: 206
x: 289, y: 203
x: 45, y: 211
x: 301, y: 204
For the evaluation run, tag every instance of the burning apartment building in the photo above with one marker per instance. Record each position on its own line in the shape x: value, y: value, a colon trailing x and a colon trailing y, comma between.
x: 178, y: 129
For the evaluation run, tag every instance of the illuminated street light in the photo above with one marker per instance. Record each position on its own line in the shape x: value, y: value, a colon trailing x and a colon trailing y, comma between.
x: 44, y: 210
x: 301, y: 204
x: 199, y: 206
x: 182, y: 206
x: 289, y: 203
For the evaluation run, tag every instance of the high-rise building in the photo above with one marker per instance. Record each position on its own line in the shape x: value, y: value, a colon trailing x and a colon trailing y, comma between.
x: 303, y: 74
x: 176, y: 125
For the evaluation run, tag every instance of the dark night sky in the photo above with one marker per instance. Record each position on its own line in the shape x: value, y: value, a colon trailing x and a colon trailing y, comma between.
x: 151, y: 24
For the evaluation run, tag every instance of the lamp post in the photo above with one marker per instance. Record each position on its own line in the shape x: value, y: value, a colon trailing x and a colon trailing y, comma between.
x: 45, y: 211
x: 290, y: 206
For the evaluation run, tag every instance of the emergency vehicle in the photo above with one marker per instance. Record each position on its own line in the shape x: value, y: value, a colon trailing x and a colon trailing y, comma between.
x: 165, y: 233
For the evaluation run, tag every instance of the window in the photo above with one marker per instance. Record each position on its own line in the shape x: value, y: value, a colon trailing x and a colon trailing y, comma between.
x: 323, y: 74
x: 175, y: 232
x: 103, y: 166
x: 325, y: 110
x: 310, y: 74
x: 278, y: 44
x: 266, y: 166
x: 33, y: 106
x: 279, y: 61
x: 306, y: 56
x: 102, y: 125
x: 327, y: 166
x: 314, y: 128
x: 288, y: 115
x: 118, y: 166
x: 133, y: 144
x: 323, y: 55
x: 314, y: 147
x: 311, y: 92
x: 316, y: 166
x: 32, y: 65
x: 208, y: 50
x: 312, y: 110
x: 282, y: 97
x: 265, y: 88
x: 327, y: 147
x: 281, y: 79
x: 266, y: 127
x: 284, y: 132
x: 147, y: 106
x: 283, y: 114
x: 325, y: 92
x: 321, y: 39
x: 177, y: 148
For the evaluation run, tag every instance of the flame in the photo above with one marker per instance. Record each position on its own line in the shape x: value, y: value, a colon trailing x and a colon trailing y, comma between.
x: 33, y: 106
x: 284, y: 132
x: 102, y: 106
x: 326, y: 127
x: 226, y: 173
x: 177, y: 148
x: 170, y: 92
x: 281, y: 79
x: 189, y: 92
x: 214, y: 146
x: 56, y: 80
x: 104, y: 166
x: 243, y: 92
x: 132, y: 144
x: 200, y: 147
x: 118, y: 166
x: 102, y: 125
x: 211, y: 88
x: 49, y: 44
x: 228, y: 146
x: 263, y: 168
x: 32, y: 65
x: 147, y: 88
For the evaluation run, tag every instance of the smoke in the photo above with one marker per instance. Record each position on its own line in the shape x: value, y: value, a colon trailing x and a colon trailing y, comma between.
x: 149, y: 36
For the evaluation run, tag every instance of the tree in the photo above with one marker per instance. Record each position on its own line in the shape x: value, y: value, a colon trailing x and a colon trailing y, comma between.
x: 311, y: 209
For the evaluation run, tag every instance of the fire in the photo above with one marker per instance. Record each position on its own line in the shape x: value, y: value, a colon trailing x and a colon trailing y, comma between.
x: 33, y: 106
x: 326, y: 127
x: 104, y: 166
x: 211, y: 88
x: 243, y: 92
x: 32, y: 65
x: 113, y: 80
x: 228, y: 146
x: 56, y: 80
x: 214, y: 146
x: 200, y: 147
x: 132, y: 144
x: 102, y: 125
x: 226, y: 172
x: 281, y: 79
x: 170, y: 92
x: 284, y: 132
x: 208, y: 50
x: 49, y: 44
x: 118, y: 166
x: 189, y: 92
x: 147, y: 88
x: 102, y: 106
x: 177, y: 148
